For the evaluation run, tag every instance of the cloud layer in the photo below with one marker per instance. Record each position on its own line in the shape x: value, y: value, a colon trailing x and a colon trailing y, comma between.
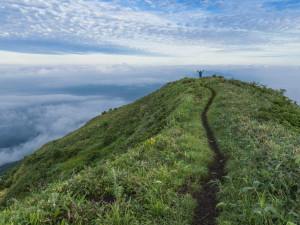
x: 28, y: 122
x: 146, y: 27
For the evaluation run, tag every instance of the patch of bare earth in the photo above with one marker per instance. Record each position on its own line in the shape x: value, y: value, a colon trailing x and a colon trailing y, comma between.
x: 206, y: 212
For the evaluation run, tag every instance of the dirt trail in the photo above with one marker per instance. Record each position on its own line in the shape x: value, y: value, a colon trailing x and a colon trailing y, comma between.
x: 206, y: 213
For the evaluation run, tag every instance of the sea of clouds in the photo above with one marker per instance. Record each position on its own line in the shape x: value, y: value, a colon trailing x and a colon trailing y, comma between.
x: 42, y: 103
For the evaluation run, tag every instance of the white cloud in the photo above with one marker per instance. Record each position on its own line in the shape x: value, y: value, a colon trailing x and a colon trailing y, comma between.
x: 150, y: 25
x: 14, y: 79
x: 35, y: 120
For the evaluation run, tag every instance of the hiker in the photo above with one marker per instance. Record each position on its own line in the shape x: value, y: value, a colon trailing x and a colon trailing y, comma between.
x: 200, y: 73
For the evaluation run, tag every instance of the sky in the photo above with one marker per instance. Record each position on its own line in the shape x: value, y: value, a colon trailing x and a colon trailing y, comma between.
x: 62, y: 62
x: 166, y: 32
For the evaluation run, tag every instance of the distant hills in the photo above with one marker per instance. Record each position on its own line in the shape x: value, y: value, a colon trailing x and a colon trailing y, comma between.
x: 7, y: 166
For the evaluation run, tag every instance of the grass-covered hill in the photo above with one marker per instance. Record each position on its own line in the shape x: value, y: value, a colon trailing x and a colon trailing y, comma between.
x: 145, y: 162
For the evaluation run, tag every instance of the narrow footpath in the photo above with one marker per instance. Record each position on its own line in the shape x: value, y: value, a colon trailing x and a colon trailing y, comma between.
x: 206, y: 213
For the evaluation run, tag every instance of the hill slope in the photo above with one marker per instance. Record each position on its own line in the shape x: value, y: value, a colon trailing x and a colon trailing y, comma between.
x: 130, y: 156
x: 143, y: 163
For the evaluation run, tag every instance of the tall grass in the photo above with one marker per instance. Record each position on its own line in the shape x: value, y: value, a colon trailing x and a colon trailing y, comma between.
x: 262, y: 185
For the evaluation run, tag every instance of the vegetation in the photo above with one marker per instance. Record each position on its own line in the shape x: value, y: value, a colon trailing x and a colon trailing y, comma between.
x: 101, y: 138
x: 146, y: 177
x: 141, y: 163
x: 7, y: 166
x: 257, y: 128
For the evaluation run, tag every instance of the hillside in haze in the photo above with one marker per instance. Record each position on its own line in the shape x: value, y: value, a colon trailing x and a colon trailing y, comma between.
x: 148, y: 162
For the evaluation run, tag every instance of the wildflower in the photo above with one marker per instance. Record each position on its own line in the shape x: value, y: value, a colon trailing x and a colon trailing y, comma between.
x: 152, y: 141
x: 149, y: 142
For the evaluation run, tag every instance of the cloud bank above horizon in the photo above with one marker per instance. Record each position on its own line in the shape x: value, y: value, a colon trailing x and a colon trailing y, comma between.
x: 38, y: 119
x: 259, y: 31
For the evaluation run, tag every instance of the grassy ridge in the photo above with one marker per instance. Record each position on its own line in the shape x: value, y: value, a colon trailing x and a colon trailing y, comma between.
x: 257, y: 128
x: 140, y: 164
x: 148, y: 182
x: 103, y: 136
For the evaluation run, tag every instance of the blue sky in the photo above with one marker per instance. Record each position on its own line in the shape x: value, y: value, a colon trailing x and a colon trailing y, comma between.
x: 63, y: 62
x: 248, y: 31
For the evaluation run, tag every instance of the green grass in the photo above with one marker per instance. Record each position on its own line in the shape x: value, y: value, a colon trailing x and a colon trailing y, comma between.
x: 257, y: 128
x: 145, y: 178
x: 106, y: 135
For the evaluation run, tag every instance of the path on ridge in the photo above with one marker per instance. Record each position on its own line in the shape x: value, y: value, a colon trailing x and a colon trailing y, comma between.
x: 206, y: 213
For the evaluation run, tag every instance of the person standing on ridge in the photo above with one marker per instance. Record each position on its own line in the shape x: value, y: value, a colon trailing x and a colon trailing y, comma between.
x: 200, y: 73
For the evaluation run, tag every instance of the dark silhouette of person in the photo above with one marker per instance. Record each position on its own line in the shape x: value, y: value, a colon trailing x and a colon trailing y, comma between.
x: 200, y: 73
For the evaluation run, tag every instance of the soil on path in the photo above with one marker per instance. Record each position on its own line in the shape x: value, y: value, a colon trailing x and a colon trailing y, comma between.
x: 206, y: 213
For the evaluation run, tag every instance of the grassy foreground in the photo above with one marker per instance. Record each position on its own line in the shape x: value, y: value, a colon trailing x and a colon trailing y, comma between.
x: 140, y: 169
